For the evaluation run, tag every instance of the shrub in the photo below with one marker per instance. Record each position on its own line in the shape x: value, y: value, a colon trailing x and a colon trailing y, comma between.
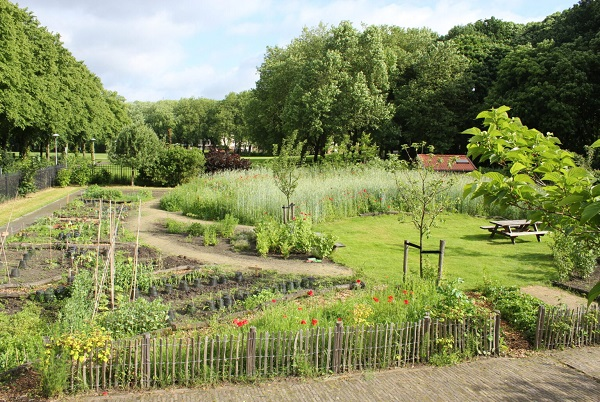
x: 226, y: 226
x: 173, y: 165
x: 573, y: 258
x: 518, y: 308
x: 63, y: 177
x: 81, y: 171
x: 136, y: 317
x: 210, y: 235
x: 218, y: 160
x: 97, y: 192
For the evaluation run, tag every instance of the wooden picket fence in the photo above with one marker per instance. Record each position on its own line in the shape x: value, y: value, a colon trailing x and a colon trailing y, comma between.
x: 159, y: 362
x: 563, y: 327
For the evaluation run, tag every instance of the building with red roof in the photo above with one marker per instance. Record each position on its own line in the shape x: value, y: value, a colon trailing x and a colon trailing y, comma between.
x: 447, y: 163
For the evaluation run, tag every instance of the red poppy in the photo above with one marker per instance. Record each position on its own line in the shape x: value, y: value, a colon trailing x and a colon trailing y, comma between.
x: 299, y: 308
x: 376, y: 300
x: 405, y: 291
x: 390, y: 298
x: 303, y: 322
x: 405, y: 301
x: 358, y: 281
x: 284, y: 316
x: 310, y: 293
x: 340, y: 319
x: 314, y: 322
x: 274, y: 301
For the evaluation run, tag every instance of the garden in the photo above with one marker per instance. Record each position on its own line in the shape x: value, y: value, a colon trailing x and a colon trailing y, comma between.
x: 231, y: 280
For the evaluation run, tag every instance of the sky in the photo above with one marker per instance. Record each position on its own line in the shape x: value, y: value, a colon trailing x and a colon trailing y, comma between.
x: 150, y: 50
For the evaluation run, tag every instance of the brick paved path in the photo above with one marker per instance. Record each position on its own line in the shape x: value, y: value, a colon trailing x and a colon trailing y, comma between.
x: 569, y: 375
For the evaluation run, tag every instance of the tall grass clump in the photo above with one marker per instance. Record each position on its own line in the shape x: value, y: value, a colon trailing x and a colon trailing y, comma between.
x: 323, y: 193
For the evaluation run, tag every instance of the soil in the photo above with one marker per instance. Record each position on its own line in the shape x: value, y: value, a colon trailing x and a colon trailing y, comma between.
x: 152, y: 233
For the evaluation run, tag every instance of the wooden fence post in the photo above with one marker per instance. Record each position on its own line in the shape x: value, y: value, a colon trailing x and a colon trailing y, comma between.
x: 292, y: 213
x: 497, y: 332
x: 284, y: 214
x: 146, y: 360
x: 251, y: 352
x: 441, y: 261
x: 337, y: 346
x: 427, y: 335
x: 539, y: 329
x: 405, y: 267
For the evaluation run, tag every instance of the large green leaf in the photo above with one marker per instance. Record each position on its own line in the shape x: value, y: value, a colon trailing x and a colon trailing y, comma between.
x: 596, y: 144
x: 516, y: 168
x: 590, y: 211
x: 594, y: 294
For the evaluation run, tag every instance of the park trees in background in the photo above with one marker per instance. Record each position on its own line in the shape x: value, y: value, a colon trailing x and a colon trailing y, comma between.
x: 136, y: 146
x: 45, y: 90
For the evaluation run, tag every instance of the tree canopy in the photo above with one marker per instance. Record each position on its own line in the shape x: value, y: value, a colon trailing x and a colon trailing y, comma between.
x: 44, y: 90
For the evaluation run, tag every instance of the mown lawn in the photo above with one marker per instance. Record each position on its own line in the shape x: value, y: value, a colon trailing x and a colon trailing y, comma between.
x: 375, y: 248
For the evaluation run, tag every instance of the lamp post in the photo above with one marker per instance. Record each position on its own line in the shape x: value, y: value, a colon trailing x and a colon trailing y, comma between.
x: 55, y: 148
x: 93, y: 153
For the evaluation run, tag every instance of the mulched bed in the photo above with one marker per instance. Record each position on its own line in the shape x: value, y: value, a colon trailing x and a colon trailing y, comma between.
x: 582, y: 286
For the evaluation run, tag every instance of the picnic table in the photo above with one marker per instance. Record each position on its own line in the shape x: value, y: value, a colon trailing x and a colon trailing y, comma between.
x: 515, y: 228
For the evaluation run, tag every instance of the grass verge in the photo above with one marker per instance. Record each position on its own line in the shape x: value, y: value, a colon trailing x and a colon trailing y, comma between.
x: 18, y: 207
x: 375, y: 247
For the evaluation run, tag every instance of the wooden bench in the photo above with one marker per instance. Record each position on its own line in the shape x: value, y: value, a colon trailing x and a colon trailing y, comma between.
x: 514, y: 235
x: 490, y: 228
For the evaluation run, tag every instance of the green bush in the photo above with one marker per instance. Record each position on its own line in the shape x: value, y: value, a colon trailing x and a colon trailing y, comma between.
x: 21, y: 336
x: 210, y: 235
x: 518, y: 308
x: 174, y: 165
x: 63, y: 177
x: 175, y: 227
x: 226, y: 226
x: 137, y: 317
x: 573, y: 258
x: 295, y: 236
x: 96, y: 192
x: 81, y: 170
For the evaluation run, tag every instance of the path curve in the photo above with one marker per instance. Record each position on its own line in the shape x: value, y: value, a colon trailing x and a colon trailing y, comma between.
x: 152, y: 233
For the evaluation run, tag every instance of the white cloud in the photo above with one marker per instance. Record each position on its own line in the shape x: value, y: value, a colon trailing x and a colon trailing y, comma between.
x: 153, y: 49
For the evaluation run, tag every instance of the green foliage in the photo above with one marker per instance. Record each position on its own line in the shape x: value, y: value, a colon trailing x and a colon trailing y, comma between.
x: 96, y: 192
x: 81, y: 170
x: 124, y: 269
x: 21, y: 334
x: 76, y: 314
x: 55, y: 374
x: 285, y: 166
x: 210, y: 235
x: 454, y: 304
x: 226, y: 226
x: 517, y: 308
x: 422, y: 197
x: 538, y: 177
x: 28, y: 168
x: 136, y: 146
x: 63, y: 177
x: 136, y: 317
x: 295, y: 236
x: 174, y: 165
x: 175, y: 227
x: 573, y: 258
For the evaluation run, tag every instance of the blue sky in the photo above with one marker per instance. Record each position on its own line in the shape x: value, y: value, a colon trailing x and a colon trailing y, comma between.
x: 149, y: 50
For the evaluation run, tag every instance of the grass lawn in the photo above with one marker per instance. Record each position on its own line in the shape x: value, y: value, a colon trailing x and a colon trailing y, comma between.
x: 375, y: 248
x: 23, y: 205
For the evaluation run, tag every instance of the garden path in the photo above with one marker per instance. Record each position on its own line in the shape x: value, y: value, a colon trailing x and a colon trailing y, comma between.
x: 152, y: 233
x: 555, y: 296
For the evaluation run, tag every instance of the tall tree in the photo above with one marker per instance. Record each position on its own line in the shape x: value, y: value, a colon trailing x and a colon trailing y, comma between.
x: 135, y: 146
